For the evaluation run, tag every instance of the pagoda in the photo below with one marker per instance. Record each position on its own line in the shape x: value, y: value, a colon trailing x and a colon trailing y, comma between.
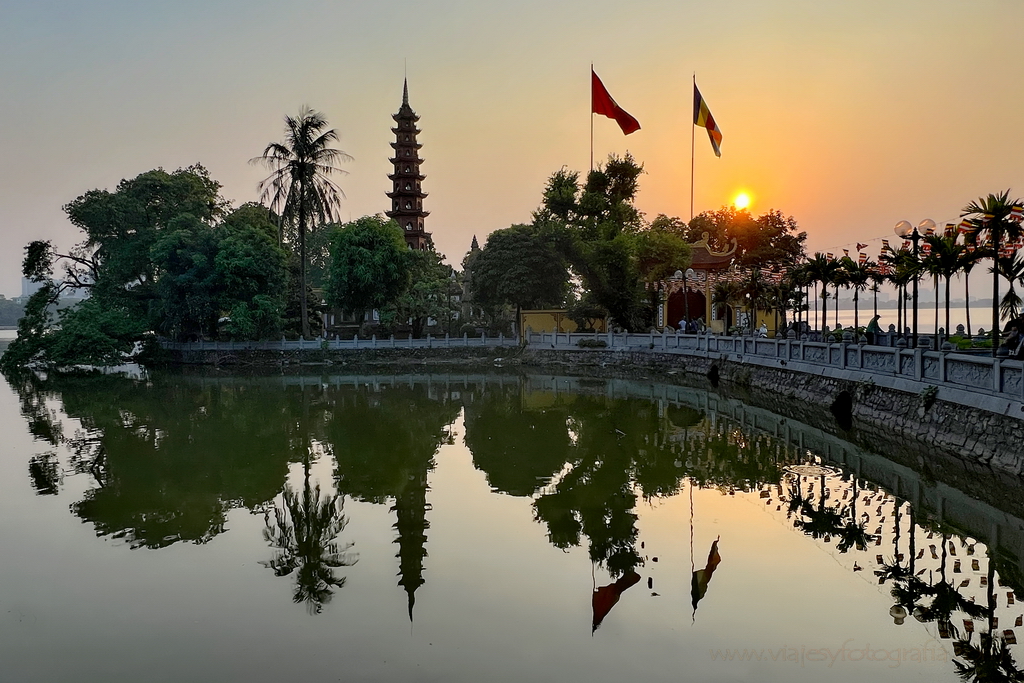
x: 407, y: 195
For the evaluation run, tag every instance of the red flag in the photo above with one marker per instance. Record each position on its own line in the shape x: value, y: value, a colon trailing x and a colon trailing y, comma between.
x: 602, y: 103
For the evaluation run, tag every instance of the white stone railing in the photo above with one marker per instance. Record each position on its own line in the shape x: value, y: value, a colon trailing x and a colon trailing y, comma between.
x: 429, y: 342
x: 980, y: 374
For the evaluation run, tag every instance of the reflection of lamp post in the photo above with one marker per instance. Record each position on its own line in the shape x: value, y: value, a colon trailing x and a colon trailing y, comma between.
x: 905, y: 230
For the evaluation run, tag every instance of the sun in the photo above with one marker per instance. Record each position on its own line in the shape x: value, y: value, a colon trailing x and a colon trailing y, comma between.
x: 741, y: 201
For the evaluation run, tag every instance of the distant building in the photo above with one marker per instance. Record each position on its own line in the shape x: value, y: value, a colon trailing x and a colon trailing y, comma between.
x: 28, y: 288
x: 407, y: 195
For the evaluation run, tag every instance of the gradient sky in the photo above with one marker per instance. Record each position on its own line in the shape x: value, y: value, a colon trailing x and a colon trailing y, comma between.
x: 848, y: 116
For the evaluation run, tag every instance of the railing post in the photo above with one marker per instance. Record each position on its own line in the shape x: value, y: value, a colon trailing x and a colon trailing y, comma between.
x: 997, y: 375
x: 373, y: 341
x: 918, y: 363
x: 392, y: 341
x: 501, y: 339
x: 465, y: 339
x: 430, y: 341
x: 447, y: 341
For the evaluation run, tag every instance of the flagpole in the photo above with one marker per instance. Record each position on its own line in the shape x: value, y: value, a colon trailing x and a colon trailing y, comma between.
x: 692, y: 126
x: 591, y: 117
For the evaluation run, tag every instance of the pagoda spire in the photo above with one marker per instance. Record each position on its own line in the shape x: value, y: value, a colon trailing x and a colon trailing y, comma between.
x: 405, y: 93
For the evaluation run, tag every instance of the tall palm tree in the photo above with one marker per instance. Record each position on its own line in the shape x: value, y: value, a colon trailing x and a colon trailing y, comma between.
x: 944, y: 260
x: 995, y: 214
x: 968, y: 259
x: 904, y: 268
x: 299, y: 187
x: 857, y: 276
x: 821, y: 268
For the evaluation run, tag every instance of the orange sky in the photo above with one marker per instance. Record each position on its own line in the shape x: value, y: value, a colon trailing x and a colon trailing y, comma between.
x: 847, y: 116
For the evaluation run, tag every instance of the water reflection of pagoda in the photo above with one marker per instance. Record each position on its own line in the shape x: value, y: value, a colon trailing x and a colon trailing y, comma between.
x: 411, y: 508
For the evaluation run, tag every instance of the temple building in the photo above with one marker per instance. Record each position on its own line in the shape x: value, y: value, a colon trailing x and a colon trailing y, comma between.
x: 407, y: 195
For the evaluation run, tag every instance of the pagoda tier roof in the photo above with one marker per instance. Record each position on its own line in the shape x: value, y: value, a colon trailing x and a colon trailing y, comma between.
x: 406, y: 176
x: 705, y: 258
x: 414, y: 131
x: 406, y: 193
x: 399, y: 160
x: 410, y: 214
x: 414, y: 145
x: 405, y: 115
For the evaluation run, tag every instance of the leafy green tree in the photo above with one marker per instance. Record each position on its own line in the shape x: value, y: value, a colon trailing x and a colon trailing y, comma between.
x: 520, y: 266
x: 369, y: 265
x: 597, y: 225
x: 252, y: 279
x: 660, y: 253
x: 299, y: 186
x: 114, y: 263
x: 429, y: 293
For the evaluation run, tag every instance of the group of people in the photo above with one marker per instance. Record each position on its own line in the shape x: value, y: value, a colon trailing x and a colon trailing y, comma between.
x: 694, y: 326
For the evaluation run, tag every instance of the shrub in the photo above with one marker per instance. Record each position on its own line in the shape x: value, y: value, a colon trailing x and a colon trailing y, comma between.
x: 592, y: 344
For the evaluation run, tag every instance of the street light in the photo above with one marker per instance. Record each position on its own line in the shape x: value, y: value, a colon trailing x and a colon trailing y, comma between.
x: 905, y: 230
x: 680, y: 275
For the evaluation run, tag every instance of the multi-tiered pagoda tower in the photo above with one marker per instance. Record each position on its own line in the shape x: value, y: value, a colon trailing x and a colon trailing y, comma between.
x: 407, y: 196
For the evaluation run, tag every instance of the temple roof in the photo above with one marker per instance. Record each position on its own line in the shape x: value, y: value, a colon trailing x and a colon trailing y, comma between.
x: 704, y: 258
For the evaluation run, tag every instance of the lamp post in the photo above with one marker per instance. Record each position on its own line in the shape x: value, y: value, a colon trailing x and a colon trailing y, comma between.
x: 905, y: 230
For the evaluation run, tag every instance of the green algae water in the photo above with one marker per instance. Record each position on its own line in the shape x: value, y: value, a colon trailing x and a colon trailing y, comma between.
x: 477, y: 527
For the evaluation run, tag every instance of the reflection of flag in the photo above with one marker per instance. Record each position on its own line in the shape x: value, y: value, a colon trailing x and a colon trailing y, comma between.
x: 606, y: 597
x: 702, y: 117
x: 702, y: 577
x: 602, y: 103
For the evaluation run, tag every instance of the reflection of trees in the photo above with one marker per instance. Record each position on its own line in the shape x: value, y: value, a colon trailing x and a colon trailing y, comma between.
x: 169, y: 456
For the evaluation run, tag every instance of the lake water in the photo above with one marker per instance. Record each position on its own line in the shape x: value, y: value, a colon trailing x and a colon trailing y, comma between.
x: 474, y: 528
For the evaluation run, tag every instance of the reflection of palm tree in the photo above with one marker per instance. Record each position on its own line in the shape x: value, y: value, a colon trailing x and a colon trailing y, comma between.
x: 989, y: 660
x: 303, y: 532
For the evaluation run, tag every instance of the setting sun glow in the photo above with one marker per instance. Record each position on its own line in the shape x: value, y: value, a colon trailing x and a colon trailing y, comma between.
x: 742, y: 201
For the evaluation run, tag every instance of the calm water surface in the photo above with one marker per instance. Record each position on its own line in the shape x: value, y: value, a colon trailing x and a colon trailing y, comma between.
x: 471, y: 528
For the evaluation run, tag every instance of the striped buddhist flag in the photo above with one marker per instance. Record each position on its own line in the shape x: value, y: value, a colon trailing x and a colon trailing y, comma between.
x: 885, y: 246
x: 950, y: 230
x: 966, y: 226
x: 702, y: 117
x: 861, y: 247
x: 846, y: 253
x: 830, y: 256
x: 1017, y: 213
x: 862, y: 258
